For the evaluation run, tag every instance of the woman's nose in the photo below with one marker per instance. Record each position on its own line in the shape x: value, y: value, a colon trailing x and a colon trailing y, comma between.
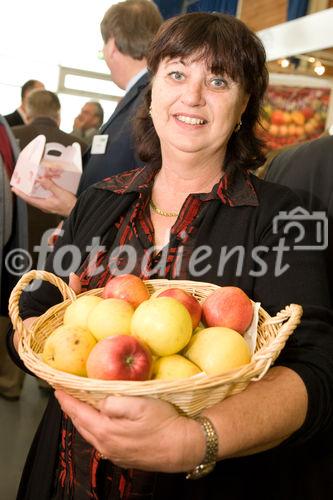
x: 193, y: 94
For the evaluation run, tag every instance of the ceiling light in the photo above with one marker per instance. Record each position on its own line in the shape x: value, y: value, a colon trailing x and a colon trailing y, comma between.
x: 319, y: 68
x: 284, y: 63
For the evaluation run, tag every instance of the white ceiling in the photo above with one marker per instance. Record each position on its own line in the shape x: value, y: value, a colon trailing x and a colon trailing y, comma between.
x: 306, y: 34
x: 64, y: 32
x: 36, y: 36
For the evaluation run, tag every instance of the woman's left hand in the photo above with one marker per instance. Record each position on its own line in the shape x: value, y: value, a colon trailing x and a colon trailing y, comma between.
x: 138, y: 432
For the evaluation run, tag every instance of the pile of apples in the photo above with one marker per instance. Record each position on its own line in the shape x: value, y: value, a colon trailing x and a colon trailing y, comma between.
x: 126, y: 334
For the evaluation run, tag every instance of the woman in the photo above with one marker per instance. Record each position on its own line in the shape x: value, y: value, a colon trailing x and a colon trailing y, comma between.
x: 195, y: 212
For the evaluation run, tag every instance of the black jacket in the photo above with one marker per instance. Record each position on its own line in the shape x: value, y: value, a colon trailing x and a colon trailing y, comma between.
x: 300, y: 468
x: 14, y: 119
x: 308, y: 170
x: 120, y: 153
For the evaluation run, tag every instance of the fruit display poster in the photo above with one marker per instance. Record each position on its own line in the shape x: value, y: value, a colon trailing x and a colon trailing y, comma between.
x: 293, y: 114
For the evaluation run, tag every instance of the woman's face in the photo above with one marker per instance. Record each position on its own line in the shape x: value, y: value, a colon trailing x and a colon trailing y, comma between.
x: 194, y: 110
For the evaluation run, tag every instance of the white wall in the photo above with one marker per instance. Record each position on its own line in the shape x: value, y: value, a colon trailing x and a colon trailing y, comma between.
x: 37, y: 36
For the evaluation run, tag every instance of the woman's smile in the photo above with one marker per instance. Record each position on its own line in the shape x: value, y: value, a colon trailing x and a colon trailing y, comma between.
x: 192, y: 120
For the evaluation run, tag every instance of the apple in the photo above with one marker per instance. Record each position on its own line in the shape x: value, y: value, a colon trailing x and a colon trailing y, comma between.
x: 217, y: 349
x: 277, y: 117
x: 110, y: 317
x: 287, y: 117
x: 273, y: 129
x: 283, y: 130
x: 126, y: 287
x: 228, y: 306
x: 77, y: 312
x: 164, y: 324
x: 298, y: 117
x: 174, y: 367
x: 308, y: 112
x: 187, y: 299
x: 120, y: 357
x: 67, y: 349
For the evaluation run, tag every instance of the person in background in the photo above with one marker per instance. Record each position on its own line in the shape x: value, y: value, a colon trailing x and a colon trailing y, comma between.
x: 43, y: 111
x: 44, y: 116
x: 308, y: 169
x: 195, y: 195
x: 13, y: 235
x: 19, y: 116
x: 88, y: 122
x: 127, y: 29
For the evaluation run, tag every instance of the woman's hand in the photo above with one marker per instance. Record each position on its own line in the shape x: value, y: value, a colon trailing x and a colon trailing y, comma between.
x: 138, y: 432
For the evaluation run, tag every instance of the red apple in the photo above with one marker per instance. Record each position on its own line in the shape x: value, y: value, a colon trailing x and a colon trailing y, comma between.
x: 230, y: 307
x: 126, y: 287
x: 277, y: 117
x: 190, y: 302
x: 121, y: 357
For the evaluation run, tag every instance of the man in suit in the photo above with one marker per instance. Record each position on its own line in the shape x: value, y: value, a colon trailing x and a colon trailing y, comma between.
x: 43, y: 109
x: 127, y: 29
x: 43, y: 114
x: 88, y: 122
x: 308, y: 169
x: 19, y: 116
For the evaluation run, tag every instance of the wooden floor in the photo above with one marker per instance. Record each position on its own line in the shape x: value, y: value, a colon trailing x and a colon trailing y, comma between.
x: 18, y: 422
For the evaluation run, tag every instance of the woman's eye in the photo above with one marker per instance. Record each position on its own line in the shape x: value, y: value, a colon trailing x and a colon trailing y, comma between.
x: 218, y: 82
x: 176, y: 75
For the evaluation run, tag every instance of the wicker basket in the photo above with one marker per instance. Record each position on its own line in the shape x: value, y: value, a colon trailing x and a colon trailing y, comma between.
x: 190, y: 395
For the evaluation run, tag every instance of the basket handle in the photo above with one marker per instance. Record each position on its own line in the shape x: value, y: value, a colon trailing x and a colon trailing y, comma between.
x: 292, y: 315
x: 26, y: 279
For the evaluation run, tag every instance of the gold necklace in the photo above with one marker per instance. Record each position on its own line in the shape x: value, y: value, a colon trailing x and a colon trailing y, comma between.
x: 159, y: 211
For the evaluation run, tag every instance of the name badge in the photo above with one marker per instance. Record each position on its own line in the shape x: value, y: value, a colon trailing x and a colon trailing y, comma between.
x: 99, y: 143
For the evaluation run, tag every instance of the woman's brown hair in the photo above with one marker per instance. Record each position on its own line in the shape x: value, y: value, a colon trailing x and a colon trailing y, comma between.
x: 229, y: 47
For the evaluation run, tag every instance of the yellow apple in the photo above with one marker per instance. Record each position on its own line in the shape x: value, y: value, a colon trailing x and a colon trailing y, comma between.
x: 110, y: 317
x: 164, y: 324
x: 77, y: 313
x: 67, y: 349
x: 174, y: 367
x: 218, y: 349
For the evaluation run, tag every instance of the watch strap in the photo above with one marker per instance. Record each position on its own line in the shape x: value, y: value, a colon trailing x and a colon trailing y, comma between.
x: 212, y: 445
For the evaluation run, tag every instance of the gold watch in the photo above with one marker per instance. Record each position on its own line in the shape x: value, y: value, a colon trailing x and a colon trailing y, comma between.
x: 212, y: 445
